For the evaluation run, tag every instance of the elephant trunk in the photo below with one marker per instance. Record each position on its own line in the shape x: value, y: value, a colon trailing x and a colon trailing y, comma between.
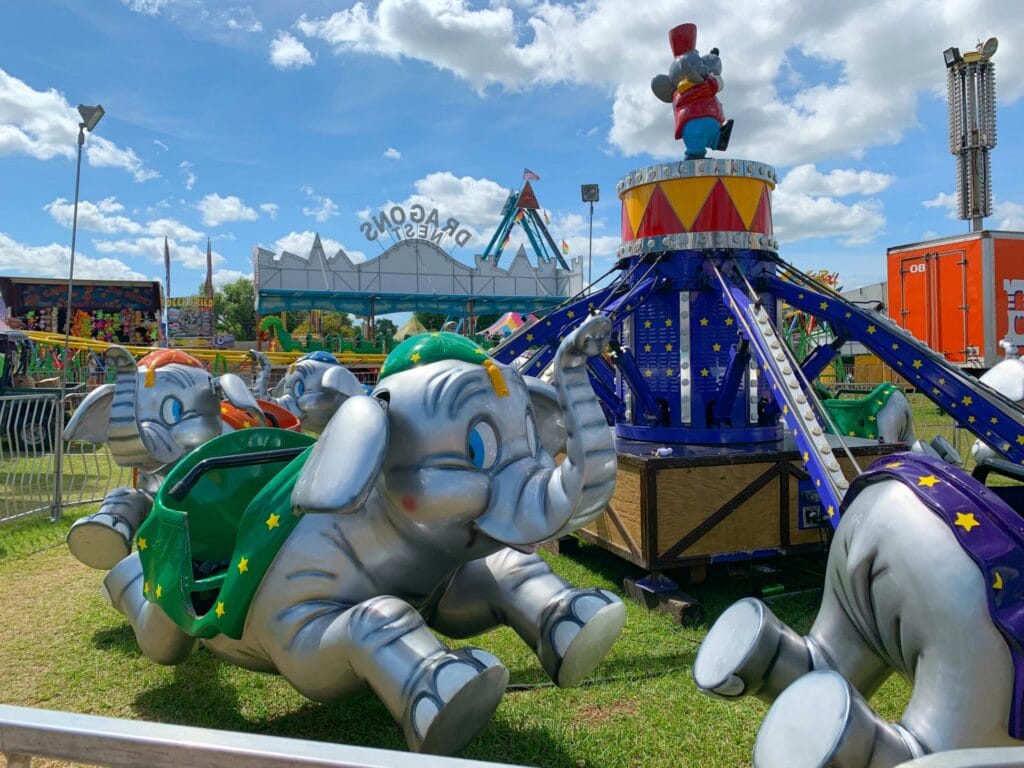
x: 124, y: 439
x: 263, y: 376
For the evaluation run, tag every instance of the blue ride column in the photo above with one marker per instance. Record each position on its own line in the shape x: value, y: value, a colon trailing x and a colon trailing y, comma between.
x: 691, y: 358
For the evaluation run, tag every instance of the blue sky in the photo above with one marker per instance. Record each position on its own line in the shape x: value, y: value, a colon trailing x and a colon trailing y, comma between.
x: 260, y: 123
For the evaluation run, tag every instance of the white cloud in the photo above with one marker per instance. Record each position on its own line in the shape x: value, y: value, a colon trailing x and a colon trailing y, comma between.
x: 148, y: 7
x: 301, y: 243
x: 188, y: 176
x: 271, y: 209
x: 160, y: 144
x: 217, y: 210
x: 797, y: 216
x: 839, y: 106
x: 103, y: 153
x: 198, y: 15
x: 324, y: 207
x: 222, y: 277
x: 152, y: 249
x: 1008, y: 216
x: 943, y: 200
x: 288, y: 52
x: 53, y: 260
x: 840, y: 182
x: 392, y: 154
x: 105, y: 217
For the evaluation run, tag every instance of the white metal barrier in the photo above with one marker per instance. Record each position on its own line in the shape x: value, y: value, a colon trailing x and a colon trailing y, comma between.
x: 33, y: 477
x: 105, y: 741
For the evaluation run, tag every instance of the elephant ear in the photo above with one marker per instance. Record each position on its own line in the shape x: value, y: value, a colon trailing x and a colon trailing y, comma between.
x: 550, y: 419
x: 340, y: 379
x: 345, y: 462
x: 233, y: 389
x: 91, y: 418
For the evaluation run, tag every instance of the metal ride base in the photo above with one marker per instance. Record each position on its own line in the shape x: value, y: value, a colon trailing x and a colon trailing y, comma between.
x: 723, y: 444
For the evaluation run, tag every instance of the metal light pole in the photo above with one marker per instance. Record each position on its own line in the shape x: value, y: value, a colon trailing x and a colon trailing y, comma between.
x: 90, y: 117
x: 590, y: 194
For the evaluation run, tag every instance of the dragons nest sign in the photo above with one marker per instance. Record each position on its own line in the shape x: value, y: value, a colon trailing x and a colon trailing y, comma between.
x: 403, y: 223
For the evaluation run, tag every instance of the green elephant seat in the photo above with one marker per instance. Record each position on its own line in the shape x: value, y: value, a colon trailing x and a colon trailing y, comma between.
x: 857, y: 416
x: 217, y: 523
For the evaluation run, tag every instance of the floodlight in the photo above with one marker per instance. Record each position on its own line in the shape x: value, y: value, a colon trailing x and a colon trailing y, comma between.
x: 90, y: 116
x: 952, y: 56
x: 988, y: 47
x: 590, y: 193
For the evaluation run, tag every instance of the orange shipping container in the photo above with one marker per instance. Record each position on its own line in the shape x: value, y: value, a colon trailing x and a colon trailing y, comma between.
x: 960, y: 295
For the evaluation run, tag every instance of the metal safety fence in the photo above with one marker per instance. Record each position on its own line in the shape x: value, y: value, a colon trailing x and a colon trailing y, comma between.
x: 105, y: 741
x: 40, y: 473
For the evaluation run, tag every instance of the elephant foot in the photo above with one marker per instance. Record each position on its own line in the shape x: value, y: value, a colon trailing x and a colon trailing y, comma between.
x: 749, y: 651
x: 821, y: 720
x: 120, y: 587
x: 453, y: 700
x: 101, y: 540
x: 578, y: 634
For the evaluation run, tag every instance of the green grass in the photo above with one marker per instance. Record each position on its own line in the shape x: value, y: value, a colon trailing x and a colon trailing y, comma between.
x: 62, y: 647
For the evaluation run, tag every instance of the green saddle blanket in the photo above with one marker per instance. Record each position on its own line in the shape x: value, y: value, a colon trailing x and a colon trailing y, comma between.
x: 204, y: 556
x: 858, y: 417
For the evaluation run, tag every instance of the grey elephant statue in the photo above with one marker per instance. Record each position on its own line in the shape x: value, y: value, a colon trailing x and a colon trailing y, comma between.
x: 418, y: 507
x: 314, y: 387
x: 925, y: 577
x: 1006, y: 378
x: 155, y: 412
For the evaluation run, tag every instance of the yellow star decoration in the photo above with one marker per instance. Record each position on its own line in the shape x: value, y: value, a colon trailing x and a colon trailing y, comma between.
x: 243, y: 564
x: 547, y: 322
x: 871, y: 329
x: 142, y: 543
x: 647, y: 347
x: 669, y: 371
x: 785, y: 409
x: 966, y: 520
x: 967, y: 400
x: 894, y: 464
x: 273, y: 521
x: 704, y: 371
x: 917, y: 363
x: 716, y: 347
x: 529, y: 337
x: 415, y: 357
x: 799, y: 295
x: 852, y: 433
x: 928, y: 480
x: 629, y: 307
x: 668, y: 347
x: 246, y: 424
x: 849, y: 315
x: 570, y: 314
x: 1020, y: 439
x: 668, y: 322
x: 647, y: 323
x: 145, y: 588
x: 998, y: 583
x: 942, y: 381
x: 824, y: 305
x: 935, y: 390
x: 818, y: 483
x: 728, y: 321
x: 703, y: 322
x: 435, y: 335
x: 871, y: 418
x: 807, y: 456
x: 994, y: 420
x: 159, y: 591
x: 831, y: 511
x: 971, y: 419
x: 220, y: 610
x: 895, y: 345
x: 647, y: 373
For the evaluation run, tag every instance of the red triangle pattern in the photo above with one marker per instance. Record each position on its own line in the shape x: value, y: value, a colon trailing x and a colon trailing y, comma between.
x: 719, y: 213
x: 659, y: 218
x: 762, y: 221
x: 527, y: 198
x: 627, y: 228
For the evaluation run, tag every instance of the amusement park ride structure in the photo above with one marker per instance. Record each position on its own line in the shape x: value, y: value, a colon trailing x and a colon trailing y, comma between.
x: 699, y: 372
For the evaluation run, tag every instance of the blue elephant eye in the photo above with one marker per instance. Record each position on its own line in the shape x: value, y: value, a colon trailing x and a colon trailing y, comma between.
x: 299, y: 388
x: 482, y: 446
x: 171, y: 410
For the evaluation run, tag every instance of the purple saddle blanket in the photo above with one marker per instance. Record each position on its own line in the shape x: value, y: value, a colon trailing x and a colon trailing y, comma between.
x: 988, y: 529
